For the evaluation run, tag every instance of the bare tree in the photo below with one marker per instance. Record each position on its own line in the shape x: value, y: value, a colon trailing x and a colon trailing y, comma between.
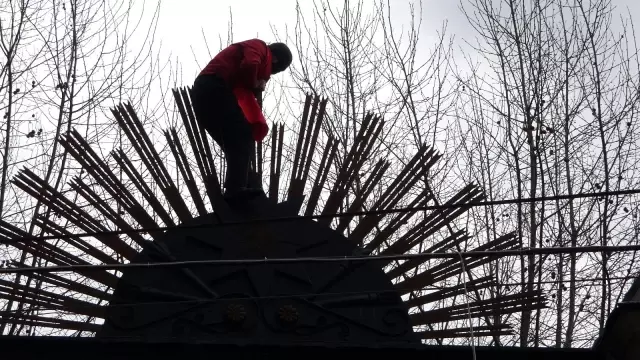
x: 550, y: 109
x: 17, y: 34
x: 363, y: 60
x: 89, y: 53
x: 354, y: 56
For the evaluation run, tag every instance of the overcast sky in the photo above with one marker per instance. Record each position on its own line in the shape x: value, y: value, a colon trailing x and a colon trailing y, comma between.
x: 182, y: 23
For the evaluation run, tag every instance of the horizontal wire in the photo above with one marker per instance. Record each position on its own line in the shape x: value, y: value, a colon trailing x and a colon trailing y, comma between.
x: 260, y: 297
x: 342, y: 293
x: 307, y: 295
x: 327, y: 259
x: 401, y: 290
x: 324, y: 216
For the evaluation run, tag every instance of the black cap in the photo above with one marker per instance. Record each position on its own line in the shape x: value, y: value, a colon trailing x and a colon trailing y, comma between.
x: 283, y: 54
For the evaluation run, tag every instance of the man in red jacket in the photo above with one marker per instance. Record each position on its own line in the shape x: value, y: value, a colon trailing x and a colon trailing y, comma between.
x: 224, y: 101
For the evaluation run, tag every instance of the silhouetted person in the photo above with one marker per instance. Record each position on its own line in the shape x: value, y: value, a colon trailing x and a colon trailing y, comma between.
x: 224, y: 100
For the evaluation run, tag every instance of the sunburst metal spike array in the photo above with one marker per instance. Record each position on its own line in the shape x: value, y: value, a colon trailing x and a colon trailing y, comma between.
x: 142, y: 193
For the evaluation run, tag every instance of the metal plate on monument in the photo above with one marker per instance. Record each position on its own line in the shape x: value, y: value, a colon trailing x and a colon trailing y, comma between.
x: 341, y: 301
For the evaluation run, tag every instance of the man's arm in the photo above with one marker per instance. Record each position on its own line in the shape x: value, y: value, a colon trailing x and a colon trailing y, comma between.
x: 255, y: 53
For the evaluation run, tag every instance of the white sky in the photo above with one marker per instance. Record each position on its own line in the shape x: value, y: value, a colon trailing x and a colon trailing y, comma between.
x: 183, y: 22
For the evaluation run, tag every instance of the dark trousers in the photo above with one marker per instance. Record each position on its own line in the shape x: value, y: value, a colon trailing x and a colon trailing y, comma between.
x: 217, y: 110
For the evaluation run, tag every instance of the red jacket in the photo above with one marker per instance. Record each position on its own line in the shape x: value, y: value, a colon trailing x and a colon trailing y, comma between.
x: 241, y: 65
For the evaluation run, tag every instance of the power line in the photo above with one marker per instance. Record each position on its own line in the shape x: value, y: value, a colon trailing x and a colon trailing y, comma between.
x: 386, y: 258
x: 325, y: 216
x: 395, y: 290
x: 372, y: 294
